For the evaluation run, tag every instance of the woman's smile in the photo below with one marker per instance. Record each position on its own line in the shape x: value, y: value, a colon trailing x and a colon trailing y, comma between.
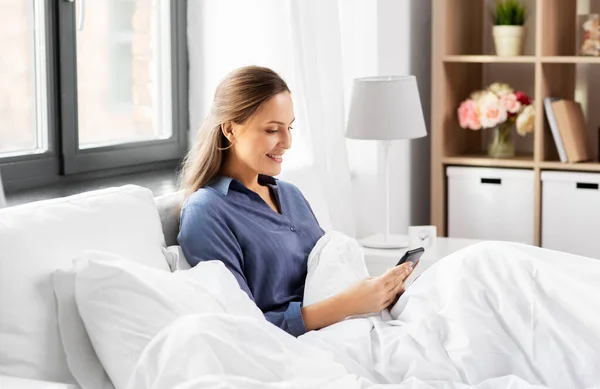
x: 276, y: 157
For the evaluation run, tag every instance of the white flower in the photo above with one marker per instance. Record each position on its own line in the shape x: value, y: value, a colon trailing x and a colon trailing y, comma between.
x: 526, y: 120
x: 500, y: 88
x: 486, y: 98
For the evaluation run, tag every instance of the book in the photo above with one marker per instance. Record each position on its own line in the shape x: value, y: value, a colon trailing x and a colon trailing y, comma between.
x: 562, y: 154
x: 572, y: 128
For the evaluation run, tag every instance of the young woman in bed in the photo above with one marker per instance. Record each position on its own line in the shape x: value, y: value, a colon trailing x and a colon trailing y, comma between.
x: 262, y: 228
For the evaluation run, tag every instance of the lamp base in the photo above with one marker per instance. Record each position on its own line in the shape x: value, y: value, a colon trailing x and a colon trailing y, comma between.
x: 378, y: 241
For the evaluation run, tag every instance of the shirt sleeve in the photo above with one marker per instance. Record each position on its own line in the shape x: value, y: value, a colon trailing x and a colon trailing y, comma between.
x: 290, y: 320
x: 205, y: 236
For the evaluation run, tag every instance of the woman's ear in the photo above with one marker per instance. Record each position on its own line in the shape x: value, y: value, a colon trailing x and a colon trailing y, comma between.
x: 227, y: 129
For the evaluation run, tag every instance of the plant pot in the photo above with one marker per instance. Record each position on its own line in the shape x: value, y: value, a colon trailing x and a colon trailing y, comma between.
x: 509, y: 40
x: 502, y: 146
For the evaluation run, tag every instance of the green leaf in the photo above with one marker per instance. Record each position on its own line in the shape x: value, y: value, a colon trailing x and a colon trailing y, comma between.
x: 509, y: 13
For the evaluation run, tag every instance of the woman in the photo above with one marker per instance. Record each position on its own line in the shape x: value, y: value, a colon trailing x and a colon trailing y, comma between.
x: 261, y: 228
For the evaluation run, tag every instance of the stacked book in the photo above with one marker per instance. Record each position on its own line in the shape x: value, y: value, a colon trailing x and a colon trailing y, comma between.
x: 569, y: 129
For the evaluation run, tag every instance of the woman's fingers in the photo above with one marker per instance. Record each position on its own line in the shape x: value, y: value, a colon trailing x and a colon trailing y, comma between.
x: 393, y: 274
x: 401, y: 287
x: 388, y: 302
x: 394, y: 294
x: 398, y: 277
x: 395, y: 281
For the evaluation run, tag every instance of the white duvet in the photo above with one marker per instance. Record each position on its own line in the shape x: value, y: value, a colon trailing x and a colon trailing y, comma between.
x: 493, y: 315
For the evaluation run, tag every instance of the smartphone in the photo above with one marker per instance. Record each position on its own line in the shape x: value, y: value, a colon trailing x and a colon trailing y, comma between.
x: 411, y: 256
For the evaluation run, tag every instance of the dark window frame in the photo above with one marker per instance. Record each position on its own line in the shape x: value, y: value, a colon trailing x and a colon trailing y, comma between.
x: 64, y: 161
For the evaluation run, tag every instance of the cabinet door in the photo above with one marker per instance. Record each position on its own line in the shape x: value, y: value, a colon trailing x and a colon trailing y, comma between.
x: 491, y: 204
x: 571, y: 212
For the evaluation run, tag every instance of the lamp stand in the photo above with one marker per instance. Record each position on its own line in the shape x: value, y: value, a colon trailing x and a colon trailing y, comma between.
x: 387, y: 240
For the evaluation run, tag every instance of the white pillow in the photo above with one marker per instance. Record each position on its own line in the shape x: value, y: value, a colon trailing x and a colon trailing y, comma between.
x: 38, y: 238
x: 124, y: 304
x: 81, y: 357
x: 175, y: 258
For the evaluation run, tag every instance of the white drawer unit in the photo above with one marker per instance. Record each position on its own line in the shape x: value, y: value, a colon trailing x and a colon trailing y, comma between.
x: 571, y: 212
x: 491, y: 204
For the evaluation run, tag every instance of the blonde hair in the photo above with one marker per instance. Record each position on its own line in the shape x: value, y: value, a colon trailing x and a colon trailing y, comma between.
x: 236, y: 99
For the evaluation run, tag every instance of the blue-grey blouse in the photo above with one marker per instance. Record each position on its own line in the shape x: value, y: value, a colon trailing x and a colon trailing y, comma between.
x: 265, y: 250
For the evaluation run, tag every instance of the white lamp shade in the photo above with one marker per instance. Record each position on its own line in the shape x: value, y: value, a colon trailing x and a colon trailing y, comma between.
x: 386, y: 108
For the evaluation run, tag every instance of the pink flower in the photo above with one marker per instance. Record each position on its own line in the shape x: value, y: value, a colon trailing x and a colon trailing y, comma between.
x: 510, y: 103
x: 493, y: 114
x: 468, y: 116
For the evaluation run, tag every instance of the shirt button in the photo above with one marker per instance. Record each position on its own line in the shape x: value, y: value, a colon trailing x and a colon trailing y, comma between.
x: 292, y: 229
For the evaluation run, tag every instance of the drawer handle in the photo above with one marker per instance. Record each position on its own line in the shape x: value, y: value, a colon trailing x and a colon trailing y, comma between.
x: 495, y: 181
x: 583, y: 185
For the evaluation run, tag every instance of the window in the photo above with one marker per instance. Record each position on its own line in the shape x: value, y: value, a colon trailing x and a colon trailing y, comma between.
x: 122, y: 95
x: 23, y: 120
x: 104, y: 88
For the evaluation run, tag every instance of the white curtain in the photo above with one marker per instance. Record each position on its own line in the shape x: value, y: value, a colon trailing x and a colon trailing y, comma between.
x: 302, y: 41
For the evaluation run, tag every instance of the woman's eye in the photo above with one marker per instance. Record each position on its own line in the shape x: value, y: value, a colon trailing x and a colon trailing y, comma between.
x: 271, y: 131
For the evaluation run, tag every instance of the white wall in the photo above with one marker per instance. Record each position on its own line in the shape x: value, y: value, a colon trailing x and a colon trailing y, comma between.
x: 403, y: 46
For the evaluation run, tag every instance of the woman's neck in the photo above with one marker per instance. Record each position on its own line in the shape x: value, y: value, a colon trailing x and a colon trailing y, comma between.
x: 236, y: 169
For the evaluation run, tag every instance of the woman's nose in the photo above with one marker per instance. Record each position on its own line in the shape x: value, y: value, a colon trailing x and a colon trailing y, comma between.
x: 286, y: 139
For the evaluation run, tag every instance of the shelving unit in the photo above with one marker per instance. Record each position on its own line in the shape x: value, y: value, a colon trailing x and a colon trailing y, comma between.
x: 463, y: 60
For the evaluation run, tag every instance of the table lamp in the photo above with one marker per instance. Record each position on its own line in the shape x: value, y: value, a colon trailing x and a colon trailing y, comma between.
x: 385, y: 108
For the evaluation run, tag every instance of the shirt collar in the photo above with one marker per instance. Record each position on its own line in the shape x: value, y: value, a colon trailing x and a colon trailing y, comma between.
x: 222, y: 183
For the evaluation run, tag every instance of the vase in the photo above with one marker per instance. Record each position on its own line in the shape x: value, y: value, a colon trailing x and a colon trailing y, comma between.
x: 509, y: 40
x: 501, y: 146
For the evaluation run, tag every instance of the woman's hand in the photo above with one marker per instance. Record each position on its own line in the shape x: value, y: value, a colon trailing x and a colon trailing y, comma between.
x: 367, y: 296
x: 375, y: 294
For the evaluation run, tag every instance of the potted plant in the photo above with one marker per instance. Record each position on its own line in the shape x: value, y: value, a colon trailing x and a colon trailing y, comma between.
x: 509, y: 30
x: 500, y: 108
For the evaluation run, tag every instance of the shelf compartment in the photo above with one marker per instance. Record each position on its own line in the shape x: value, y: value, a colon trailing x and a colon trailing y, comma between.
x: 463, y: 78
x: 558, y: 80
x: 558, y: 24
x: 468, y: 26
x: 464, y: 24
x: 579, y: 82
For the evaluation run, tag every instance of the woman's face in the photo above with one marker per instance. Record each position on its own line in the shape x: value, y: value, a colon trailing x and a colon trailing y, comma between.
x: 260, y: 143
